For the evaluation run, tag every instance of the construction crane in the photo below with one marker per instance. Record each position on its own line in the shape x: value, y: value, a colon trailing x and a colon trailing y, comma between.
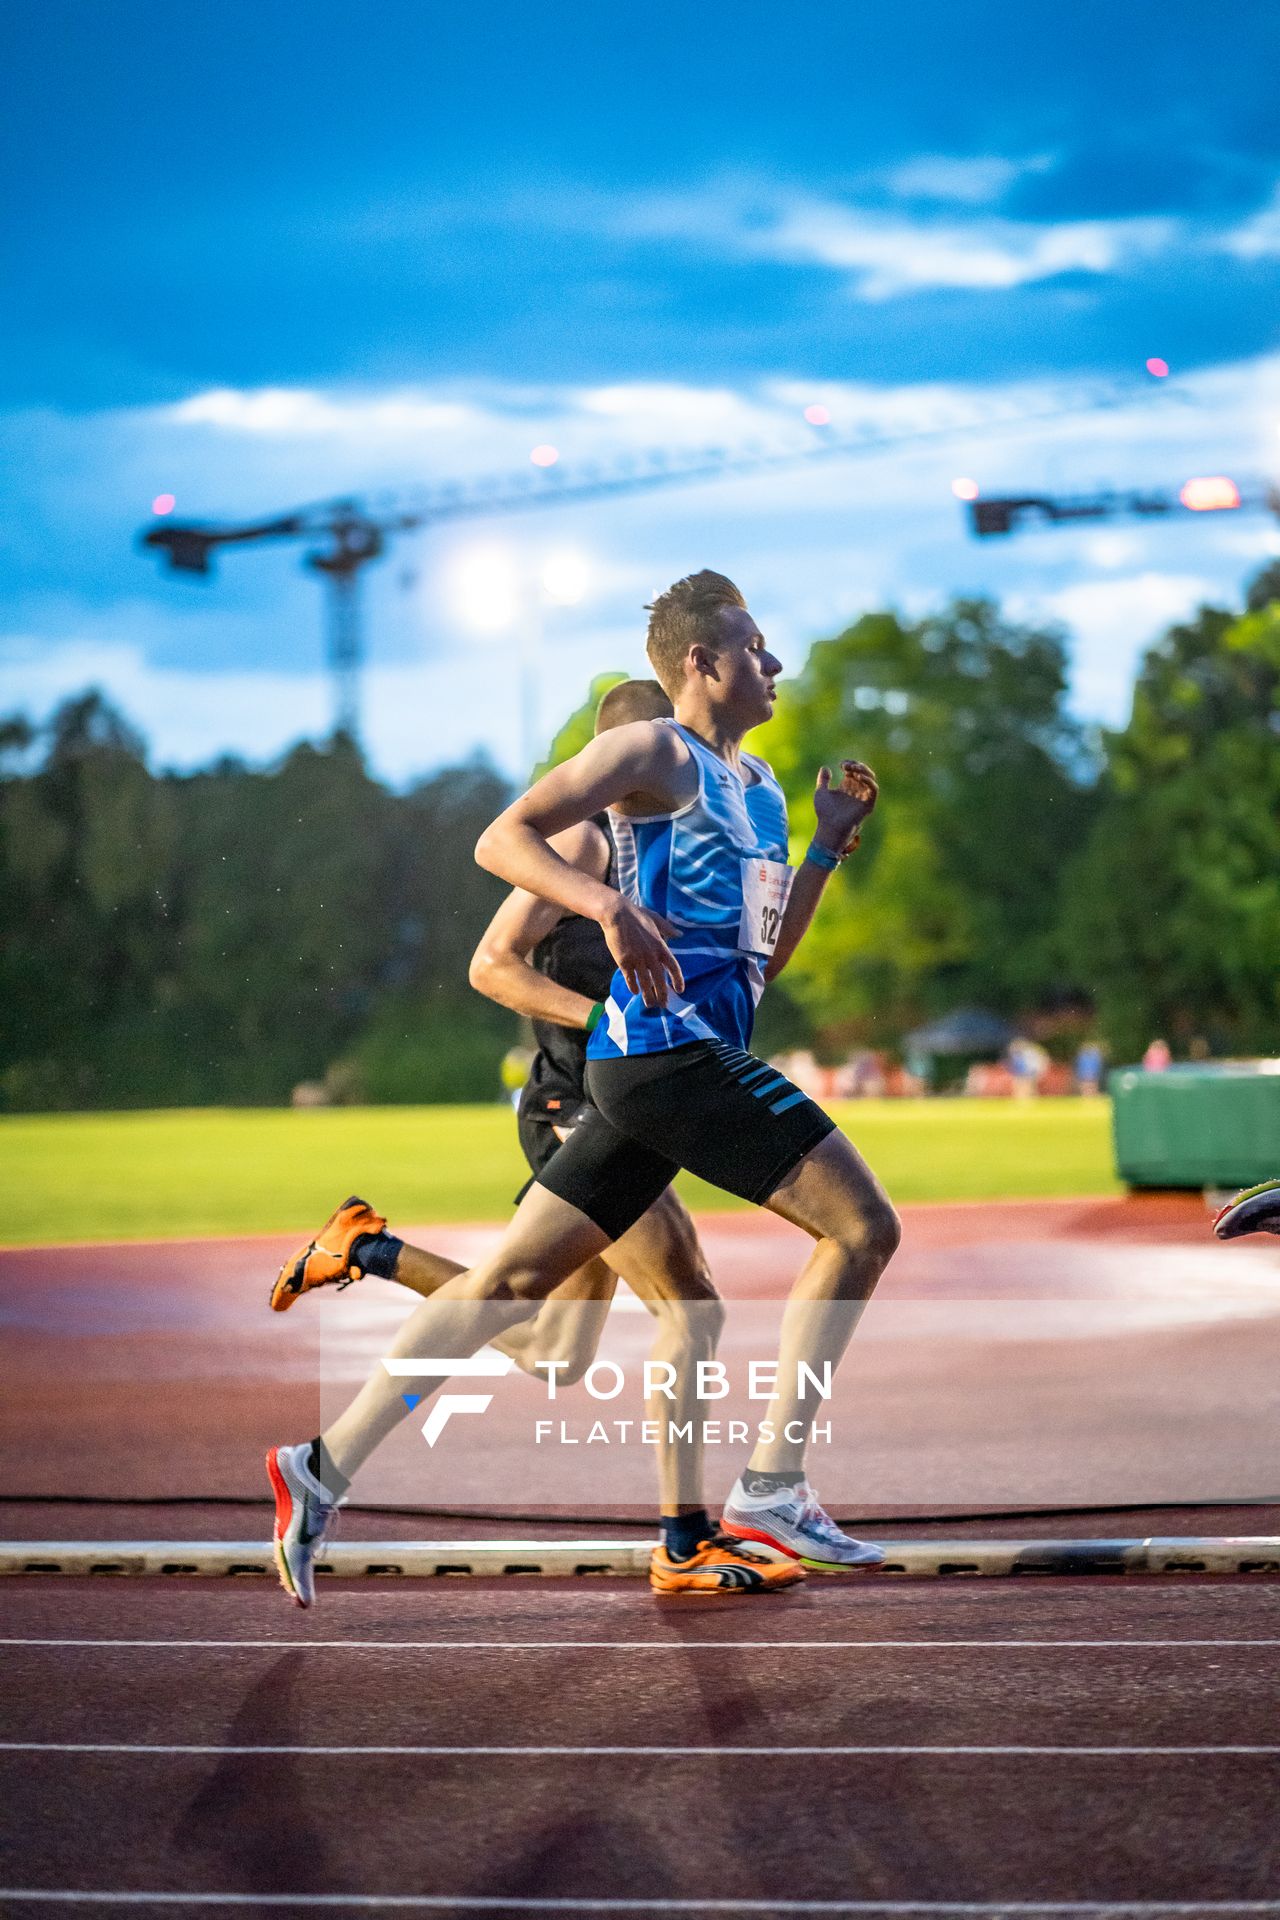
x: 1207, y: 493
x: 347, y: 535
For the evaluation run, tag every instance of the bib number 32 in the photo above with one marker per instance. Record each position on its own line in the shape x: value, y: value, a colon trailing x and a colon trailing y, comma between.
x: 765, y: 886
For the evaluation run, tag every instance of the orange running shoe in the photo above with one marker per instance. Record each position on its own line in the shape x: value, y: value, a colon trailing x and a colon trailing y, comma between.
x: 326, y: 1260
x: 721, y: 1565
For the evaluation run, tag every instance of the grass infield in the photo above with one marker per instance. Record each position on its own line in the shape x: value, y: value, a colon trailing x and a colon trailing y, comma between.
x: 137, y: 1176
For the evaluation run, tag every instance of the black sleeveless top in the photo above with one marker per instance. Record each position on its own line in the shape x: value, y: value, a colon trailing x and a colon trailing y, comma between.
x: 575, y: 955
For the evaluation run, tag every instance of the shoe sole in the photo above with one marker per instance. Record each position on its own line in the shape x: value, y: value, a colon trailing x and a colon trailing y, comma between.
x: 793, y: 1553
x: 721, y: 1593
x: 842, y: 1566
x: 284, y: 1514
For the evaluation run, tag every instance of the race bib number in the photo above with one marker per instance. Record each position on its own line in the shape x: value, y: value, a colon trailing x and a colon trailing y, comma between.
x: 765, y: 886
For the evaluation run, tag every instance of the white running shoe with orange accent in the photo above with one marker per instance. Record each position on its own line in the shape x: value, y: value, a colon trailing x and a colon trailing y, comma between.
x: 793, y: 1520
x: 306, y: 1514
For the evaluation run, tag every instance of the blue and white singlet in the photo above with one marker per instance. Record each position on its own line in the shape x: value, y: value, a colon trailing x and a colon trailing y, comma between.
x: 716, y: 869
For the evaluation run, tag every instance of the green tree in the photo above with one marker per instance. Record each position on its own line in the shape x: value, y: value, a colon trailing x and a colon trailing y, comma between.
x: 579, y: 728
x: 86, y: 844
x: 984, y: 780
x: 1173, y: 908
x: 221, y: 936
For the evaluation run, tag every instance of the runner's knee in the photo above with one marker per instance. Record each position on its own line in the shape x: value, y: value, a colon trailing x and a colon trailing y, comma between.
x: 517, y: 1280
x: 884, y: 1231
x: 872, y: 1231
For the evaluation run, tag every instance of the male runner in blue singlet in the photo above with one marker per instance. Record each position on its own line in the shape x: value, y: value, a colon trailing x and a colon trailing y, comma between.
x: 704, y: 913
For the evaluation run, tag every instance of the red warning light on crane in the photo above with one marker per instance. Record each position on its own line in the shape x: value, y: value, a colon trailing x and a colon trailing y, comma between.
x: 1210, y: 493
x: 163, y: 503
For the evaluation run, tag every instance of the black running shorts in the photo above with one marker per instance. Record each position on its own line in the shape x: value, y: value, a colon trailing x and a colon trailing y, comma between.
x: 541, y: 1136
x: 708, y: 1107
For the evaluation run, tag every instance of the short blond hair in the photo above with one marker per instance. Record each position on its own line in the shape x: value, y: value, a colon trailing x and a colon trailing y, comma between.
x: 632, y: 700
x: 686, y: 616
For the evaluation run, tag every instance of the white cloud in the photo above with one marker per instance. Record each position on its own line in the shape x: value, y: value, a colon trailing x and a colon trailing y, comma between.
x: 296, y: 412
x: 1258, y: 237
x: 886, y: 256
x: 188, y: 715
x: 975, y: 181
x: 889, y: 254
x: 1112, y: 623
x: 930, y: 221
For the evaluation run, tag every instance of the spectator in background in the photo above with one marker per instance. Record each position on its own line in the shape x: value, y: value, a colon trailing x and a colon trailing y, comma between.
x: 1027, y: 1061
x: 1089, y: 1067
x: 865, y: 1076
x: 1157, y: 1057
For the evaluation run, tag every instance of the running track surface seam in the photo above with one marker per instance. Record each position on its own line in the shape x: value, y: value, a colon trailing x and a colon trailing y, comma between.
x: 524, y: 1903
x: 627, y: 1646
x: 637, y: 1752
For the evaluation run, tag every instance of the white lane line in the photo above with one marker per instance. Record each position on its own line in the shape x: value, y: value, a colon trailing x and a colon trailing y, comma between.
x: 636, y: 1752
x: 626, y: 1646
x: 551, y: 1903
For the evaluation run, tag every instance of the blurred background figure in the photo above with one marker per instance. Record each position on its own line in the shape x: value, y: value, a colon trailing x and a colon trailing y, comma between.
x: 1157, y: 1057
x: 1089, y: 1067
x: 1028, y: 1063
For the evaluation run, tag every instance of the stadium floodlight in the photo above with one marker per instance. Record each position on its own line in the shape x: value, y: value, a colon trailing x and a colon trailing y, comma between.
x: 1211, y: 493
x: 484, y: 588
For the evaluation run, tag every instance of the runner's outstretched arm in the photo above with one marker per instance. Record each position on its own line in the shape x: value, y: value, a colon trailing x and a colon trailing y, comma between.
x: 840, y: 813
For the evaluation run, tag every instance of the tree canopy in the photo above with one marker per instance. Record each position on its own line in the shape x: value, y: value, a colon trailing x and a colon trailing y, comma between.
x: 985, y: 778
x: 1172, y: 910
x: 220, y: 936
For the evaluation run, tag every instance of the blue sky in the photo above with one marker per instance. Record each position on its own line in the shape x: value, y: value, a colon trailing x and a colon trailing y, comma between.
x: 260, y: 254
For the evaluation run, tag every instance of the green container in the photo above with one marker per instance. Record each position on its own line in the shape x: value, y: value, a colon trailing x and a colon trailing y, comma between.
x: 1207, y: 1125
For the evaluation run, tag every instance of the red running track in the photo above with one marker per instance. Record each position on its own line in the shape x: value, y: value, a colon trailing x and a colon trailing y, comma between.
x: 581, y: 1747
x: 1030, y: 1354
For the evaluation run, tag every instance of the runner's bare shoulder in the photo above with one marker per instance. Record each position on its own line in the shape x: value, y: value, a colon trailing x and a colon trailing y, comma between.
x: 669, y: 774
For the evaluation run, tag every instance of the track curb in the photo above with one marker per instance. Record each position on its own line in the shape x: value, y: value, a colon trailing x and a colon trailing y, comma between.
x: 435, y: 1558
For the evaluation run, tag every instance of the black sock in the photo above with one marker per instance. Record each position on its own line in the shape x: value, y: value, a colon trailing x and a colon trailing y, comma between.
x: 758, y: 1483
x: 320, y: 1464
x: 376, y: 1253
x: 684, y: 1533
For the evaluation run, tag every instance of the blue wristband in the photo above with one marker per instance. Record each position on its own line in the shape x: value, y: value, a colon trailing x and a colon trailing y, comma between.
x: 822, y: 857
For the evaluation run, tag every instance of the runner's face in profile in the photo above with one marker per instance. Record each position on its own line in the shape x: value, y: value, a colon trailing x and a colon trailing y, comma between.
x: 745, y: 670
